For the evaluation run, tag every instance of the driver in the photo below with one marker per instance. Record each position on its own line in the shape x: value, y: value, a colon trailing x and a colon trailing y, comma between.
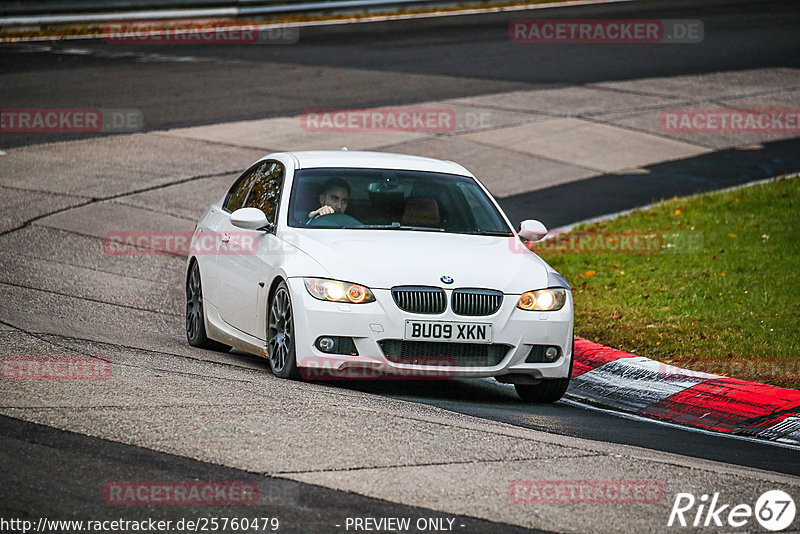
x: 334, y: 197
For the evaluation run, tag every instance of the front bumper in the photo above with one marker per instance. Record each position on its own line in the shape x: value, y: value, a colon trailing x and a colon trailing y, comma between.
x: 369, y: 324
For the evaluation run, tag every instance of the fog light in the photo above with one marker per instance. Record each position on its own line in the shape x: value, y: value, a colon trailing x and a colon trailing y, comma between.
x: 336, y: 345
x: 551, y: 354
x: 325, y: 344
x: 543, y: 354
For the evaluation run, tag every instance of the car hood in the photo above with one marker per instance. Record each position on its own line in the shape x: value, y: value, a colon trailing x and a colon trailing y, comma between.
x: 381, y: 259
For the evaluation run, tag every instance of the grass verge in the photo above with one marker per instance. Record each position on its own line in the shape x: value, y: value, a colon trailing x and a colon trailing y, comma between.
x: 707, y: 282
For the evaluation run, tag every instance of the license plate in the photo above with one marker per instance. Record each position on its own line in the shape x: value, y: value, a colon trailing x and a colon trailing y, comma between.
x: 447, y: 331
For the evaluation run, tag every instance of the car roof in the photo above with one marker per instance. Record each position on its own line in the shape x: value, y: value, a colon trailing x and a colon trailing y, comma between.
x: 374, y: 160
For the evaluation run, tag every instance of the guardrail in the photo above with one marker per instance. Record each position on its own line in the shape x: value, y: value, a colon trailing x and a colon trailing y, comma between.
x: 53, y: 7
x: 25, y: 12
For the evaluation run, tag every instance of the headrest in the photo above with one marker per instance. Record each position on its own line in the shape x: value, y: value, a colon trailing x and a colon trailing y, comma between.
x: 421, y: 211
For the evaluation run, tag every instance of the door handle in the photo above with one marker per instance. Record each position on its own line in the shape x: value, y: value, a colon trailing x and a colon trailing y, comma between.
x: 225, y: 238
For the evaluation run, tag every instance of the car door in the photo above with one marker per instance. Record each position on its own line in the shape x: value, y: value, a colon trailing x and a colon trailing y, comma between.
x: 208, y: 234
x: 247, y: 258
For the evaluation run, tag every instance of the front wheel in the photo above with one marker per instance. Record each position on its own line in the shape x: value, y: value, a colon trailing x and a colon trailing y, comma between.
x: 549, y: 390
x: 280, y: 334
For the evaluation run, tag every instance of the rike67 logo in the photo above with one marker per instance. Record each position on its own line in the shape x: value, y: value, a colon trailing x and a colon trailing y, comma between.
x: 774, y: 510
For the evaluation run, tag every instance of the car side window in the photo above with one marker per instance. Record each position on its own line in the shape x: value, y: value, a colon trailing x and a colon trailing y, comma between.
x: 266, y: 190
x: 238, y: 193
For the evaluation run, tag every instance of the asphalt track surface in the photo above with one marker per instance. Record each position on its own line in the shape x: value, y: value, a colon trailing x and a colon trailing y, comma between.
x: 32, y: 452
x: 492, y: 400
x: 385, y: 64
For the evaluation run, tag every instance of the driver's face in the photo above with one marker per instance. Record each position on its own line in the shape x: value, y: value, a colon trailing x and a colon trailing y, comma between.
x: 336, y: 198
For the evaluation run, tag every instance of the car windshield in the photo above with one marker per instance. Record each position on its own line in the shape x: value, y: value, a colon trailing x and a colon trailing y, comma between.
x: 385, y: 199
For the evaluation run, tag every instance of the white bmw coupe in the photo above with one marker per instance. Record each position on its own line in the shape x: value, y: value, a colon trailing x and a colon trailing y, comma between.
x: 381, y: 265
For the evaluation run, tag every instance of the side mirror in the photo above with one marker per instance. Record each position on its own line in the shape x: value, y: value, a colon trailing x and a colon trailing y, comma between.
x: 531, y: 230
x: 249, y: 218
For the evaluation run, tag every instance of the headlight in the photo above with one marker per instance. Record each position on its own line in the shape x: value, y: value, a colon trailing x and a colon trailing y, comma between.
x: 336, y: 291
x: 543, y: 300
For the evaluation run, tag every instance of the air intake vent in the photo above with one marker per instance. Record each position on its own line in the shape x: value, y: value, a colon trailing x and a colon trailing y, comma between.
x: 419, y: 299
x: 447, y: 354
x: 475, y: 302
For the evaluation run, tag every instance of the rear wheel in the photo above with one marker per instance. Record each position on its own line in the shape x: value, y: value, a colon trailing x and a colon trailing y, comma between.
x: 280, y: 334
x: 195, y: 319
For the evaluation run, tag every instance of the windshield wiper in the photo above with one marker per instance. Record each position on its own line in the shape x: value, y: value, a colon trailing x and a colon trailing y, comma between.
x: 421, y: 228
x: 487, y: 232
x: 379, y: 226
x: 398, y: 226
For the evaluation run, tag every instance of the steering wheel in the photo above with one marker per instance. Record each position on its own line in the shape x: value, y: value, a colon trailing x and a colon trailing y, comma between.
x: 334, y: 220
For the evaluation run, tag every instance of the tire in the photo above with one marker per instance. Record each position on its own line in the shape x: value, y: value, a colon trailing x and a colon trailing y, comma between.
x: 280, y: 334
x: 549, y: 390
x: 195, y: 318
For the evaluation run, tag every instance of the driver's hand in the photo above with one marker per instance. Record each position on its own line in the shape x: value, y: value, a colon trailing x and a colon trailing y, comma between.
x: 324, y: 210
